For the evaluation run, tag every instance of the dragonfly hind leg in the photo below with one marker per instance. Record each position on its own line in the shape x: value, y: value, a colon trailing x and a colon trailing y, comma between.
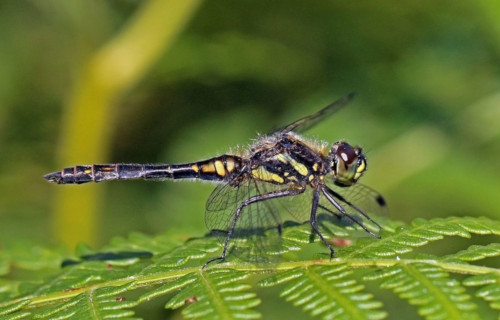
x: 249, y: 201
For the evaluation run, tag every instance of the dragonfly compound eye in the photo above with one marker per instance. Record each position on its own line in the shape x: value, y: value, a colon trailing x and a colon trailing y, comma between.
x: 348, y: 164
x: 346, y: 153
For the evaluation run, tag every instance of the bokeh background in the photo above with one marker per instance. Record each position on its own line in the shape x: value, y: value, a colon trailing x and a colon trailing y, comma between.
x: 206, y: 77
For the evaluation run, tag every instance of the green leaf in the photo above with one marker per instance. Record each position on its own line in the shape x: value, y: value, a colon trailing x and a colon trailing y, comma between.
x: 330, y: 292
x: 490, y: 288
x: 350, y: 286
x: 429, y: 287
x: 217, y: 294
x: 95, y: 303
x: 476, y: 252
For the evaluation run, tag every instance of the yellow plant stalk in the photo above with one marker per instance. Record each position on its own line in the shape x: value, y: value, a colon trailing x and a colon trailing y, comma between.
x: 109, y: 73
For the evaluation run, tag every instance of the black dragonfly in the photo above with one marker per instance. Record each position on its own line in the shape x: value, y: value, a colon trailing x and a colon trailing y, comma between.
x: 282, y: 170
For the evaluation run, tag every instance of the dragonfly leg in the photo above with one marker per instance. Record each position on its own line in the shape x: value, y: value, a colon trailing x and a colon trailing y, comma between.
x: 313, y: 221
x: 345, y: 213
x: 330, y: 211
x: 364, y: 214
x: 280, y: 229
x: 254, y: 199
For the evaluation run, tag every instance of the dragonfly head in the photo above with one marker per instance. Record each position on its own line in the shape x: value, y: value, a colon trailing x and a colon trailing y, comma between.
x: 347, y: 163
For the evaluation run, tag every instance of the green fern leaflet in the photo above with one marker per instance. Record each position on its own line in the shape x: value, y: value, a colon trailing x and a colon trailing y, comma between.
x: 358, y: 283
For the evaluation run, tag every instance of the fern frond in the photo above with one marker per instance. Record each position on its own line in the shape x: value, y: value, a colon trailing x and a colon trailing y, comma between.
x: 491, y: 290
x: 323, y: 288
x: 217, y: 294
x: 96, y: 303
x: 476, y: 252
x: 12, y: 310
x: 29, y: 256
x: 429, y: 287
x: 420, y: 233
x: 328, y: 291
x: 137, y: 241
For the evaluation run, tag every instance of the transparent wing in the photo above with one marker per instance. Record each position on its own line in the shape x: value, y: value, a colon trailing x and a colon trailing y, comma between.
x: 308, y: 122
x: 363, y: 197
x: 360, y: 196
x: 256, y: 235
x: 298, y: 207
x: 361, y: 204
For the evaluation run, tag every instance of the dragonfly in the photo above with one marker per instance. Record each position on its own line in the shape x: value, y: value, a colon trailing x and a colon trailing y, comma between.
x: 281, y: 171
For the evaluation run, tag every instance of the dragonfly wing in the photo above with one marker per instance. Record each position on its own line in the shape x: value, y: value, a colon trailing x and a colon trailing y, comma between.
x: 363, y: 197
x: 297, y: 207
x: 255, y: 236
x: 361, y: 203
x: 308, y: 122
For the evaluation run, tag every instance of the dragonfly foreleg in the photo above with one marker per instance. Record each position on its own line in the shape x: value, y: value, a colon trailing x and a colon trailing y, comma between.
x: 345, y: 213
x: 341, y: 198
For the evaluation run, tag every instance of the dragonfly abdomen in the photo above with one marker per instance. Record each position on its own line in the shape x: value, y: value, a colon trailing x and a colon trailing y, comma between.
x: 218, y: 169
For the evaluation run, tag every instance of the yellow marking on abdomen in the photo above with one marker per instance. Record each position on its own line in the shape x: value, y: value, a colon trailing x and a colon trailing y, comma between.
x: 88, y: 171
x: 315, y: 167
x: 262, y: 174
x: 195, y: 168
x: 230, y: 165
x: 208, y: 167
x: 219, y: 168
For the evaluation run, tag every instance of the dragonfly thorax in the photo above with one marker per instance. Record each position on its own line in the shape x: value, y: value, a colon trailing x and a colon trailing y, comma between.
x: 347, y: 163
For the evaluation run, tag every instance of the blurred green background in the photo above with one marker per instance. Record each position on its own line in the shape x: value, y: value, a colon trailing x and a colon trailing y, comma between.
x: 427, y: 110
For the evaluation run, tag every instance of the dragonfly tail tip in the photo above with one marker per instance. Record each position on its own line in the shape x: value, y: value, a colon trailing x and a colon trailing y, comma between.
x: 53, y: 177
